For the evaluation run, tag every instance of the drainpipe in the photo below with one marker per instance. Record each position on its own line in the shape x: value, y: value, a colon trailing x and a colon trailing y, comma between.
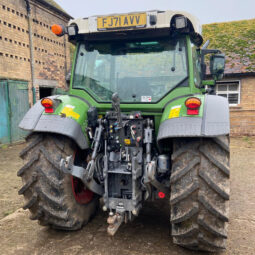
x: 65, y: 60
x: 32, y: 64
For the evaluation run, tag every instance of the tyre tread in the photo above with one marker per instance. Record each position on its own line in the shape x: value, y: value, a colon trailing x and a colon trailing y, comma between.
x: 47, y: 199
x: 175, y: 198
x: 186, y: 215
x: 27, y: 165
x: 217, y: 163
x: 213, y: 185
x: 31, y: 202
x: 36, y: 141
x: 177, y: 174
x: 212, y: 208
x: 199, y: 197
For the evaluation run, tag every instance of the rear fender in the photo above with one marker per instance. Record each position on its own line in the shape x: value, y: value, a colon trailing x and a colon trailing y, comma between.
x: 213, y: 119
x: 69, y: 119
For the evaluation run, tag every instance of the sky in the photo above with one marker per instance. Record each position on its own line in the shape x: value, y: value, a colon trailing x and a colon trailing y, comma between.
x: 206, y: 11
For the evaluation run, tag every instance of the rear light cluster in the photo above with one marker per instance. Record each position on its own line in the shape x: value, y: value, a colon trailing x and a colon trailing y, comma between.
x: 193, y: 104
x: 47, y: 103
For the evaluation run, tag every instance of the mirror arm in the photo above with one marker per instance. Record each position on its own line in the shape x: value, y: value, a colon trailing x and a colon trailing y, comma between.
x: 206, y: 44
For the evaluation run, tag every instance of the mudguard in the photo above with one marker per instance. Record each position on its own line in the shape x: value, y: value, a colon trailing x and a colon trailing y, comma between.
x: 213, y: 119
x: 69, y: 119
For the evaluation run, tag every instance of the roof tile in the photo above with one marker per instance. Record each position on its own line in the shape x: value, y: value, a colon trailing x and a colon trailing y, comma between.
x: 237, y: 40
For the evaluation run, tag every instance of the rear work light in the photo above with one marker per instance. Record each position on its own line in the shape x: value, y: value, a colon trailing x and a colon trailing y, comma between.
x: 193, y: 104
x: 47, y: 103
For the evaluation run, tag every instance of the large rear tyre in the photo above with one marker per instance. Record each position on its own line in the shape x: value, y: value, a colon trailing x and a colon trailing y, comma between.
x: 54, y: 198
x: 200, y: 193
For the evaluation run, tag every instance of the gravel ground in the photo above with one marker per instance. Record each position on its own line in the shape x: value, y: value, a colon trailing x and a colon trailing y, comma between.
x: 148, y: 234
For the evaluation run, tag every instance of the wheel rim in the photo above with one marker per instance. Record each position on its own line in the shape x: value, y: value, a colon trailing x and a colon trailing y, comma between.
x: 81, y: 193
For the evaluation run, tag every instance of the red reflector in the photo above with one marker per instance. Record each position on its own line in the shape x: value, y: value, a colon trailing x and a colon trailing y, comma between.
x: 161, y: 194
x: 48, y: 110
x: 192, y: 111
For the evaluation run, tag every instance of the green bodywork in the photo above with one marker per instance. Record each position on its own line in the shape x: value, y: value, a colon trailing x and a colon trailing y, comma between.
x: 160, y: 110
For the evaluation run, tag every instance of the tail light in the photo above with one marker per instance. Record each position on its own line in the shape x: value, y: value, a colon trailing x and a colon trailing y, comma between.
x: 47, y: 103
x: 193, y: 104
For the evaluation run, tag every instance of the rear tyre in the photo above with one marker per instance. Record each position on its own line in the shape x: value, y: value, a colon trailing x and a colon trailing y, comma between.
x: 200, y: 193
x: 54, y: 198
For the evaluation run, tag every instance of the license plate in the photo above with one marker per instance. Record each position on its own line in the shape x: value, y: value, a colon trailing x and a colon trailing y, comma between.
x: 121, y: 21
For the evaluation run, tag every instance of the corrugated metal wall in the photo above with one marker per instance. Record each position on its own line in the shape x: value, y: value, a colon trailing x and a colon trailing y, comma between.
x: 14, y: 102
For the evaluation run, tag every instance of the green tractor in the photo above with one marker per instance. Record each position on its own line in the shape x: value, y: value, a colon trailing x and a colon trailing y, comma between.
x: 140, y: 123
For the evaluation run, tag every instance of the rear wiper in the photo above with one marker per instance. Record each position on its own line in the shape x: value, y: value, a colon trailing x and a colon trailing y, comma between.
x: 174, y: 57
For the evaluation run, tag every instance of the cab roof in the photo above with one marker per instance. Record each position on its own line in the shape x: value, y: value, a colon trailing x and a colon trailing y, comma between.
x: 153, y: 20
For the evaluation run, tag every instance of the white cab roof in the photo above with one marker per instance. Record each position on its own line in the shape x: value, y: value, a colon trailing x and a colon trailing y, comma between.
x: 163, y: 18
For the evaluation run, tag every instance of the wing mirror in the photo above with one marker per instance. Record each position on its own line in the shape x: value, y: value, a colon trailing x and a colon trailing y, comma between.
x: 217, y: 66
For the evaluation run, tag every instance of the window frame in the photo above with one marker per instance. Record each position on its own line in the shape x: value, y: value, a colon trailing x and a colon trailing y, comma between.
x: 155, y: 102
x: 218, y: 83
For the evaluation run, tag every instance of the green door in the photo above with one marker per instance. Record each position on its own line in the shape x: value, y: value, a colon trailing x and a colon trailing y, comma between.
x: 4, y: 118
x: 19, y: 105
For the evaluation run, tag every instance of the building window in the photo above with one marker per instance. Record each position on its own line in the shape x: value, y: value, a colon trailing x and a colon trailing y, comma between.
x: 230, y: 90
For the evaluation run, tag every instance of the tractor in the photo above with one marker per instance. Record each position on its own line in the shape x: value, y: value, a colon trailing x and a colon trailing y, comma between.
x: 141, y: 122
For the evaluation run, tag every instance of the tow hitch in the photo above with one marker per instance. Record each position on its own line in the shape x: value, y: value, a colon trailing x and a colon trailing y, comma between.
x: 114, y: 221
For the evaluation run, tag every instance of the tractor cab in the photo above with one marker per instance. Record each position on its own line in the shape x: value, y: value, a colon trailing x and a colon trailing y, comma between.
x: 137, y: 55
x: 141, y: 122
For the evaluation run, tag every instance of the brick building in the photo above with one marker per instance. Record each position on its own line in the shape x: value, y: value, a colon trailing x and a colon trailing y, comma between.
x: 237, y: 40
x: 52, y: 60
x: 51, y: 54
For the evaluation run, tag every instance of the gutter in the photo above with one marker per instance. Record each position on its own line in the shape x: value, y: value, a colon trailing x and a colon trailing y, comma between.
x: 245, y: 74
x: 234, y: 75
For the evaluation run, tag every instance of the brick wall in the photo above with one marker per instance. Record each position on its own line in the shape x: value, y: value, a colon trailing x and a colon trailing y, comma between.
x: 242, y: 117
x: 51, y: 53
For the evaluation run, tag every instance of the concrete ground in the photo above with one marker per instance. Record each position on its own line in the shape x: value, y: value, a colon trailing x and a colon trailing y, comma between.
x: 148, y: 234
